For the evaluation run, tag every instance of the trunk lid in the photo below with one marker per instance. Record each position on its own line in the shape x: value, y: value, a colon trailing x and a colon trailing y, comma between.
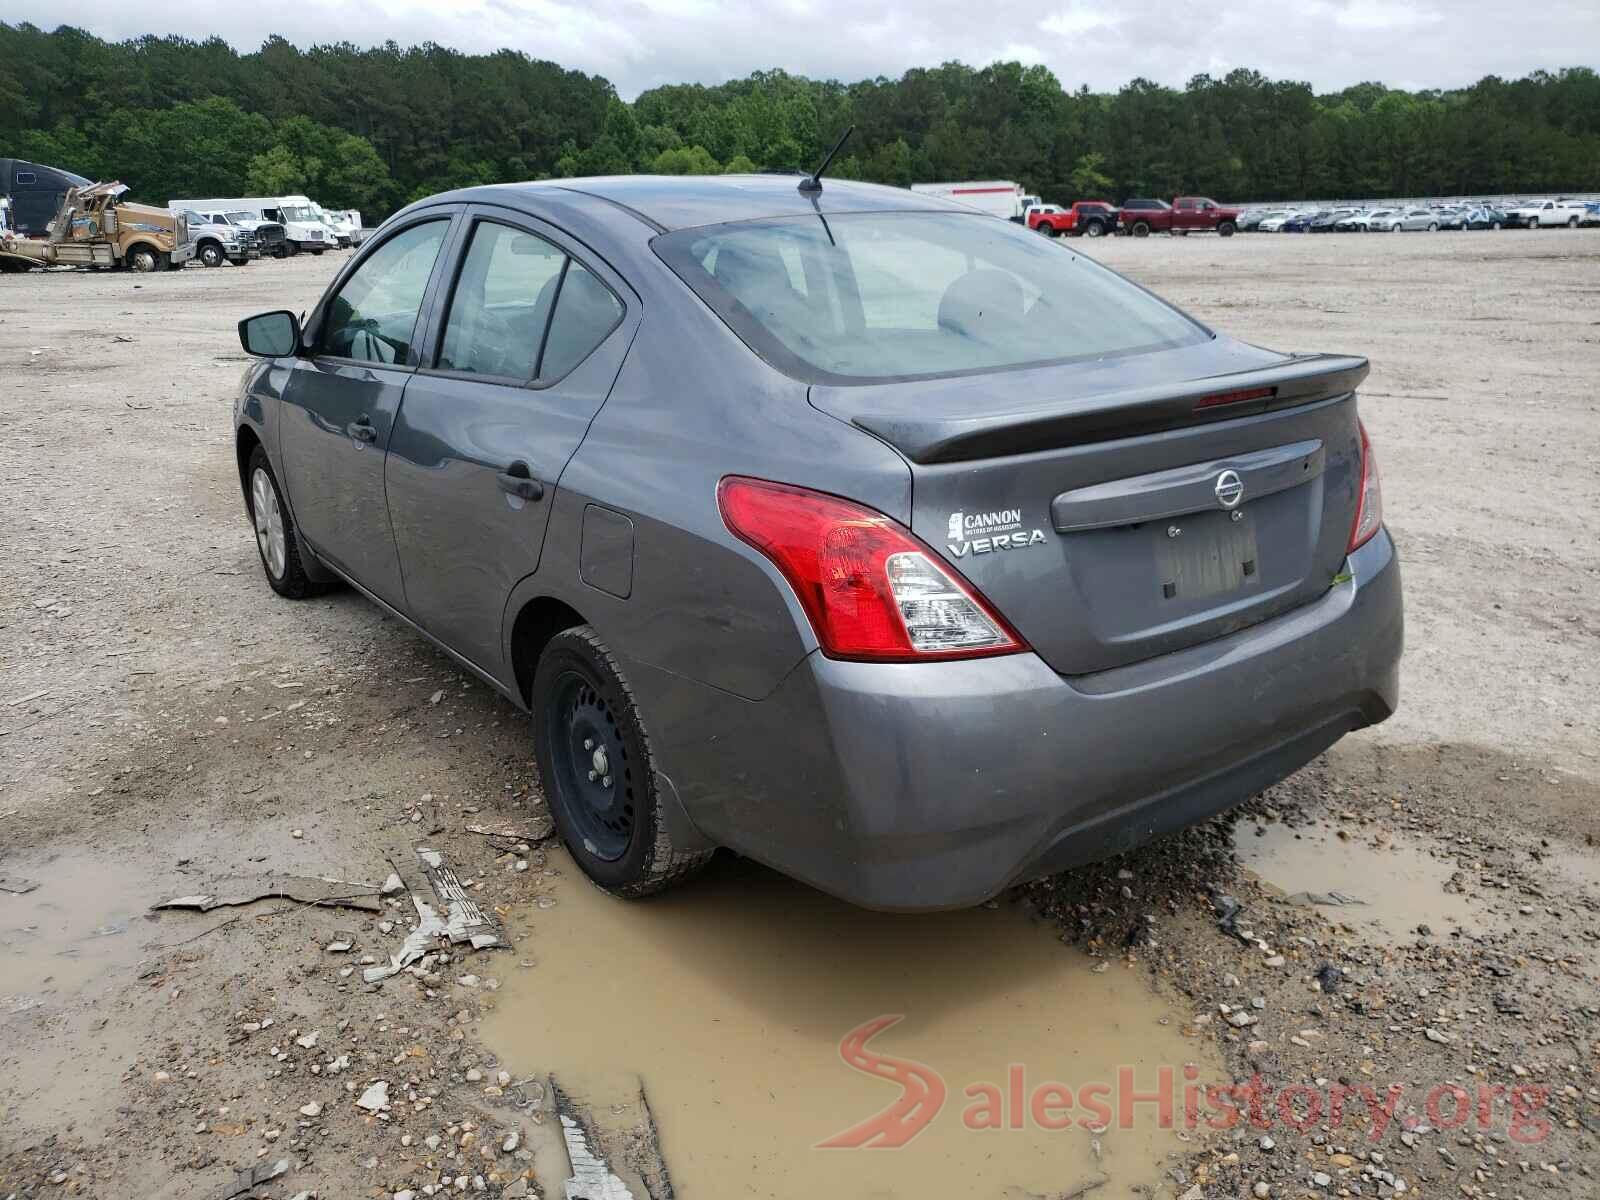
x: 1108, y: 513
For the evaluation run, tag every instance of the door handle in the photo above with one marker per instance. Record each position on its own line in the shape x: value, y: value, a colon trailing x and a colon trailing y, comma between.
x: 516, y: 480
x: 362, y: 430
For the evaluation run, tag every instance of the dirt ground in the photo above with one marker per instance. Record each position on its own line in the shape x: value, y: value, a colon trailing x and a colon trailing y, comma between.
x: 1419, y: 908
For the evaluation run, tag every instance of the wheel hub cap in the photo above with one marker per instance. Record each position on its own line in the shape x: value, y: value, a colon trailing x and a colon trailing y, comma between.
x: 268, y: 520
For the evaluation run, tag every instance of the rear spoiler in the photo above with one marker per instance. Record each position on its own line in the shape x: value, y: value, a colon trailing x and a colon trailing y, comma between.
x: 939, y: 437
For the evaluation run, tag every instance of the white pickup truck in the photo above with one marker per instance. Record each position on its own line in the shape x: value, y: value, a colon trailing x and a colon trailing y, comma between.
x: 1547, y: 214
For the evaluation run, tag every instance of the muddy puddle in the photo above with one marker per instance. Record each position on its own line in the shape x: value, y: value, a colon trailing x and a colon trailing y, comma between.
x: 728, y: 1001
x: 83, y: 922
x: 1386, y: 885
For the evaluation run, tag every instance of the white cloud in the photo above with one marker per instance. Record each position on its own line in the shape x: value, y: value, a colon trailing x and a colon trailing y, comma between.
x: 1379, y: 15
x: 641, y: 43
x: 1078, y: 19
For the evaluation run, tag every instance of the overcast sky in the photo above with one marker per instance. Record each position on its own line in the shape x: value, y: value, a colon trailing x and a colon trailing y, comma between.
x: 1104, y: 43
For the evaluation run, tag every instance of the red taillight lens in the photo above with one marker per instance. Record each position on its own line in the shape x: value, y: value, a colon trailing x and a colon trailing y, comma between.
x: 871, y: 590
x: 1369, y: 503
x: 1217, y: 399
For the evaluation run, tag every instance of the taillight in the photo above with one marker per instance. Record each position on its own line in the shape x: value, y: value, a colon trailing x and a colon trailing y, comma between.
x: 871, y: 590
x: 1369, y: 504
x: 1217, y: 399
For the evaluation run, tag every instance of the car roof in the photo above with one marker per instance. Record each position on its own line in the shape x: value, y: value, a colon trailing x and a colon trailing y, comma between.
x: 684, y: 201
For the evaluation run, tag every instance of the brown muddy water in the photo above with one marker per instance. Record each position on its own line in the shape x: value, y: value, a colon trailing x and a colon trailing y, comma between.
x: 69, y: 936
x: 1388, y: 885
x: 727, y: 1002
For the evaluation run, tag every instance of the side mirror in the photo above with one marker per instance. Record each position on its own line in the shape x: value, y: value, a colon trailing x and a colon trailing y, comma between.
x: 270, y: 335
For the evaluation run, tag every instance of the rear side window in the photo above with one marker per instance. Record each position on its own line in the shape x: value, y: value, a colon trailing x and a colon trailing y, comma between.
x: 501, y: 304
x: 870, y: 296
x: 373, y: 316
x: 585, y: 313
x: 522, y: 309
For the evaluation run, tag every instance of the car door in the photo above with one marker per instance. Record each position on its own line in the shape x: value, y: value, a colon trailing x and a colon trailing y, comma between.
x: 1183, y: 214
x: 532, y: 332
x: 340, y: 402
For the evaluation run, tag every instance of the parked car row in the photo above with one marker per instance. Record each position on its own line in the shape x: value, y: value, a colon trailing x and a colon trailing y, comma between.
x: 1536, y: 214
x: 1137, y: 217
x: 241, y: 228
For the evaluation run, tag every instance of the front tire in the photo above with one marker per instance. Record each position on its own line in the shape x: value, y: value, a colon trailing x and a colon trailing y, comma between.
x: 144, y: 259
x: 277, y: 540
x: 211, y: 255
x: 1095, y: 229
x: 1226, y: 228
x: 598, y: 771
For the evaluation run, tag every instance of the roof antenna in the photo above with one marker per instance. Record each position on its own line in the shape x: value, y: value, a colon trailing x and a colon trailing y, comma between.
x: 813, y: 181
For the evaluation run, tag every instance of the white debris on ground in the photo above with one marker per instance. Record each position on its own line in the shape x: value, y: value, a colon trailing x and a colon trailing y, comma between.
x: 592, y: 1178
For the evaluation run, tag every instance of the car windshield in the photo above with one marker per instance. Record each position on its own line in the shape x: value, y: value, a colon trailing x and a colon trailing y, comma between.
x: 298, y: 212
x: 240, y: 216
x: 870, y: 296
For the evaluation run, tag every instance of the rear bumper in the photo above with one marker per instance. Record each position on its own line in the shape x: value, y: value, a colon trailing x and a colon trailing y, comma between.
x: 937, y: 785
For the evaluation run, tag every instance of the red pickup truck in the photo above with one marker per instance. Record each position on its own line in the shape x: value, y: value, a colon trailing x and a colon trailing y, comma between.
x: 1089, y: 218
x: 1183, y: 216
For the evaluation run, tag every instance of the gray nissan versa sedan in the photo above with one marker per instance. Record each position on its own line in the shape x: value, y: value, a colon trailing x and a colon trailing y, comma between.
x: 874, y: 538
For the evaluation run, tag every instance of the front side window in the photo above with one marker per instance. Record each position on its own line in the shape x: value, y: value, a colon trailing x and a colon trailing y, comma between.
x: 895, y: 295
x: 372, y: 317
x: 501, y: 304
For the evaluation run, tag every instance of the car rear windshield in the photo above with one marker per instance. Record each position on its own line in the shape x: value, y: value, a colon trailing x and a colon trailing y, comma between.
x: 870, y: 296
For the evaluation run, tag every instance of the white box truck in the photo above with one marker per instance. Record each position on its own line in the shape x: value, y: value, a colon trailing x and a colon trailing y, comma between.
x: 997, y: 197
x: 303, y: 229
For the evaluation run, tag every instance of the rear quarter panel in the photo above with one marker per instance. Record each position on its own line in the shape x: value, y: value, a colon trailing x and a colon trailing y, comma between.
x: 693, y: 404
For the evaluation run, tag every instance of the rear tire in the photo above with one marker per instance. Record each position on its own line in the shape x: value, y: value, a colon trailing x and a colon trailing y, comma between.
x: 1533, y: 222
x: 598, y: 772
x: 1141, y: 229
x: 1572, y: 222
x: 277, y: 540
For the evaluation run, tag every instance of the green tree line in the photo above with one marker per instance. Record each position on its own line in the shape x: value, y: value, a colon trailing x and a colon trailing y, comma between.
x: 372, y: 128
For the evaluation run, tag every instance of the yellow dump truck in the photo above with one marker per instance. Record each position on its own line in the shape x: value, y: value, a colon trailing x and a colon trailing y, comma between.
x: 95, y: 228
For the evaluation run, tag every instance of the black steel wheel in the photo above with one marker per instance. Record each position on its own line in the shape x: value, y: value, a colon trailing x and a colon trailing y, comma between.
x: 589, y: 762
x: 598, y: 773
